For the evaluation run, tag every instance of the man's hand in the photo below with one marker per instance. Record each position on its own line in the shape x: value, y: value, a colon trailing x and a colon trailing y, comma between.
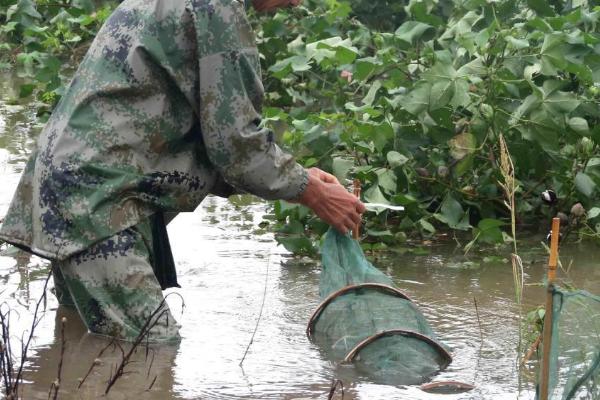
x: 322, y: 175
x: 331, y: 201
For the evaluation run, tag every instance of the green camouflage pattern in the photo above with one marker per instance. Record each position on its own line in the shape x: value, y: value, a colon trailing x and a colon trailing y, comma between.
x: 163, y: 110
x: 113, y: 286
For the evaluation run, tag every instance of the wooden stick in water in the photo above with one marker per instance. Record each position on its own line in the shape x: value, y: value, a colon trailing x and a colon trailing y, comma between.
x: 547, y: 334
x: 356, y: 230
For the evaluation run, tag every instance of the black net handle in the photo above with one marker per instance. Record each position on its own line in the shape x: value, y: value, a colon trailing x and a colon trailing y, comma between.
x: 347, y: 289
x: 393, y: 332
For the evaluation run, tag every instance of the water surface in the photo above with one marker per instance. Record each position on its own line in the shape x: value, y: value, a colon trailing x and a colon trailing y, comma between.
x: 231, y: 272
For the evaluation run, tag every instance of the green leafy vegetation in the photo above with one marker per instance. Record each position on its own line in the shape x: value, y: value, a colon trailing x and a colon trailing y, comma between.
x: 417, y: 110
x: 410, y: 97
x: 44, y: 39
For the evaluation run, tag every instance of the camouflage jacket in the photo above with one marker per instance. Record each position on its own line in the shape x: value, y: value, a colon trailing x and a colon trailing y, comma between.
x: 164, y: 106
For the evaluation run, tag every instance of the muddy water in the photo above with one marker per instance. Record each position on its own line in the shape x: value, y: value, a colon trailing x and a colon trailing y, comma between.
x: 231, y: 272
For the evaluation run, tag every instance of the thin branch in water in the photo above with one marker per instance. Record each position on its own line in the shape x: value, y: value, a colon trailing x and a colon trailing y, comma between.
x: 262, y: 306
x: 56, y: 384
x: 151, y: 363
x: 480, y: 339
x: 97, y: 361
x: 478, y: 319
x: 532, y: 350
x: 152, y: 383
x: 152, y: 320
x: 334, y: 387
x: 25, y: 345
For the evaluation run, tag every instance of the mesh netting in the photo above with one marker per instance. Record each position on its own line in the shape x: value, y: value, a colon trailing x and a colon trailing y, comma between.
x: 575, y: 347
x: 364, y: 319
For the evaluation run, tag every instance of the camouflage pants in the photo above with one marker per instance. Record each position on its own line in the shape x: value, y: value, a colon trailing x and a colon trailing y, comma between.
x: 113, y: 286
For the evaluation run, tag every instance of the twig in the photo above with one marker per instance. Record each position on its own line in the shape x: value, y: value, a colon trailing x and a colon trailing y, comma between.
x: 144, y: 331
x: 152, y: 383
x: 532, y: 350
x: 97, y: 361
x: 480, y: 339
x: 260, y: 312
x: 56, y: 384
x: 151, y: 363
x: 25, y: 346
x: 6, y: 361
x: 478, y: 319
x: 334, y: 386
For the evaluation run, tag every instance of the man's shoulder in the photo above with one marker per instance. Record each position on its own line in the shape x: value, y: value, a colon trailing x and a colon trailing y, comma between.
x: 212, y: 7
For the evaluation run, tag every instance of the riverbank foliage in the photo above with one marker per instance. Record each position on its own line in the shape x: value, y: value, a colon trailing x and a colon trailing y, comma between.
x: 411, y: 97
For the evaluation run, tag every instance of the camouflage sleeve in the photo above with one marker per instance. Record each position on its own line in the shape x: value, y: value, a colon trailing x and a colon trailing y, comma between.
x: 230, y: 98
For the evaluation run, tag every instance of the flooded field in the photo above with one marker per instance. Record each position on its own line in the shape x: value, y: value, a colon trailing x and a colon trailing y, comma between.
x: 228, y: 267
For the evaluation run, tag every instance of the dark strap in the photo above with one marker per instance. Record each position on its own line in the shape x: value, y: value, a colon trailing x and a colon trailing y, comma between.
x: 163, y: 263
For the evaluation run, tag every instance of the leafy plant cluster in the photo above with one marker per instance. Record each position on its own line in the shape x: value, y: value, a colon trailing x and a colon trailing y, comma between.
x: 411, y: 97
x: 418, y: 113
x: 43, y: 38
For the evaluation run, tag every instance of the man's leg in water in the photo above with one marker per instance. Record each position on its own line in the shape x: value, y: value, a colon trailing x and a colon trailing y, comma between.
x: 114, y: 287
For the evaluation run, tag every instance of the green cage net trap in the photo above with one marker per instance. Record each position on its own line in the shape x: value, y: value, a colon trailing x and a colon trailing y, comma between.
x: 364, y: 319
x: 574, y: 356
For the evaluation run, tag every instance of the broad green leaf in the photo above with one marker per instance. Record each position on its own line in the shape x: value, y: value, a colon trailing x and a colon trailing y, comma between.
x: 453, y: 214
x: 441, y: 93
x: 294, y: 63
x: 293, y: 227
x: 561, y: 102
x: 370, y: 97
x: 364, y: 67
x: 579, y: 125
x: 420, y: 11
x: 461, y: 96
x: 542, y: 130
x: 464, y: 166
x: 552, y: 53
x: 396, y: 159
x: 462, y: 144
x: 374, y: 195
x: 365, y: 147
x: 473, y: 68
x: 413, y: 31
x: 343, y: 50
x: 341, y: 167
x: 310, y: 162
x: 85, y: 5
x: 296, y: 244
x: 417, y: 100
x: 541, y: 7
x: 593, y: 212
x: 517, y: 43
x: 462, y: 27
x: 490, y: 223
x: 489, y: 230
x: 386, y: 179
x: 540, y: 24
x: 531, y: 102
x: 427, y: 226
x: 584, y: 184
x: 531, y: 71
x: 26, y: 89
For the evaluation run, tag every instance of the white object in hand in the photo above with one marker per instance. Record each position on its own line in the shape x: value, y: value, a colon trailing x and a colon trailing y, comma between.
x: 378, y: 207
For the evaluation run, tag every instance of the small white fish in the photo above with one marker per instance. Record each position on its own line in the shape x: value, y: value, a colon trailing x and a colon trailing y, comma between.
x: 378, y: 207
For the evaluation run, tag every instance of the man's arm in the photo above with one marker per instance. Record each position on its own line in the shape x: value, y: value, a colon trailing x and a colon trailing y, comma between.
x: 244, y: 152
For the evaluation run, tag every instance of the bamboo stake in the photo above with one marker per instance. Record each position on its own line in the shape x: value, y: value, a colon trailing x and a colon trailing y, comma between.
x: 547, y: 334
x: 356, y: 230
